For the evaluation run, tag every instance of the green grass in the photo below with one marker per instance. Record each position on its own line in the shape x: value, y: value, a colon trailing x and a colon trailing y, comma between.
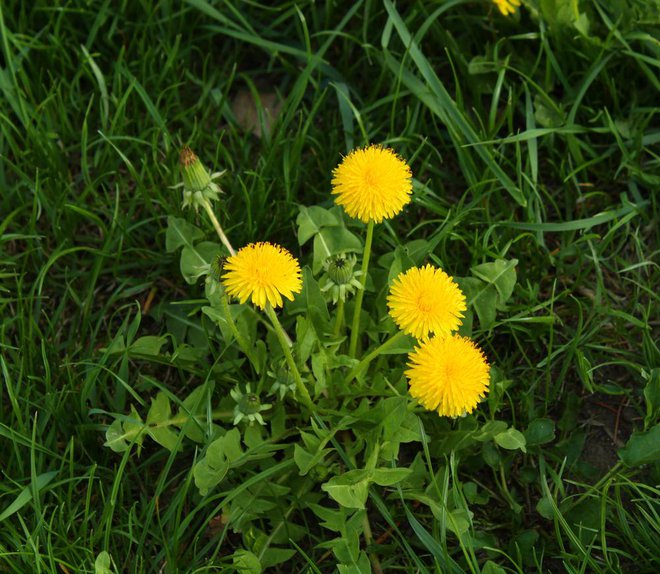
x: 527, y: 140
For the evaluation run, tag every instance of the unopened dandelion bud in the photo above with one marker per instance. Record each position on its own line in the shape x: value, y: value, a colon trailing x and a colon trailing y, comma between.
x: 195, y: 176
x: 340, y: 269
x: 199, y: 186
x: 340, y: 279
x: 248, y: 406
x: 217, y: 265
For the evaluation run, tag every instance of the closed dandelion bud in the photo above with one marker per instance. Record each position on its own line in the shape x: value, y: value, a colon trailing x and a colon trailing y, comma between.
x: 248, y: 406
x: 284, y: 381
x: 213, y: 278
x: 198, y: 184
x: 217, y: 265
x: 340, y: 278
x: 340, y: 269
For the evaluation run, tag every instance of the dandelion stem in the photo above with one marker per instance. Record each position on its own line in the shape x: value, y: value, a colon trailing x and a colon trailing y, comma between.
x: 355, y: 326
x: 303, y: 393
x: 368, y: 538
x: 339, y: 319
x: 218, y: 227
x: 364, y: 363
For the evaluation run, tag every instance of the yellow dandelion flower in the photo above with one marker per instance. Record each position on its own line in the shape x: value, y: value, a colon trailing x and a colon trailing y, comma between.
x: 507, y: 6
x: 425, y: 300
x: 372, y: 183
x: 262, y: 272
x: 448, y: 374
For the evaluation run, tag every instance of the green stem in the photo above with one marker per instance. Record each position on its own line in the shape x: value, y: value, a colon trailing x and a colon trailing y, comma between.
x: 368, y: 538
x: 218, y: 227
x: 339, y: 319
x: 355, y: 326
x: 364, y: 363
x: 286, y: 349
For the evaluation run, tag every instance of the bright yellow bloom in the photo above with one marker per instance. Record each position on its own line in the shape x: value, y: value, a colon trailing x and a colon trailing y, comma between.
x: 372, y: 183
x: 425, y: 300
x: 448, y: 374
x: 263, y: 272
x: 507, y: 6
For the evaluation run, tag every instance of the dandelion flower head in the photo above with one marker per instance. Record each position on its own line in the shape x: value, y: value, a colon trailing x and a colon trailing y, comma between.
x: 449, y: 375
x: 372, y: 183
x: 262, y: 272
x: 507, y: 6
x: 425, y: 300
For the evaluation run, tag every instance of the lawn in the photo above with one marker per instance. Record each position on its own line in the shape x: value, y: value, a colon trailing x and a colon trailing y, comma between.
x: 151, y: 423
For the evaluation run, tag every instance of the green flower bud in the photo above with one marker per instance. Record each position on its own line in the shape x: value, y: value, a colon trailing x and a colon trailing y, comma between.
x: 198, y: 184
x: 195, y: 176
x: 340, y: 269
x: 284, y: 381
x: 248, y: 406
x: 340, y: 279
x: 216, y: 267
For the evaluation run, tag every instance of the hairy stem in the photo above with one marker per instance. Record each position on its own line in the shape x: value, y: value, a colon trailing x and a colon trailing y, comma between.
x: 355, y: 326
x: 303, y: 393
x: 218, y: 227
x: 339, y: 319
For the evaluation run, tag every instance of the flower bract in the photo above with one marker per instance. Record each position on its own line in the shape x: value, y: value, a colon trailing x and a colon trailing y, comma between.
x: 263, y: 273
x: 372, y: 183
x: 425, y: 300
x: 507, y: 7
x: 449, y: 375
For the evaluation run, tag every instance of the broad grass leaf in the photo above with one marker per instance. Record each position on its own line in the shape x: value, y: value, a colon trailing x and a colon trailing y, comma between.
x: 350, y: 489
x: 511, y: 439
x: 390, y: 476
x: 306, y: 339
x: 642, y: 448
x: 212, y: 469
x: 362, y: 566
x: 306, y: 460
x: 540, y: 431
x: 331, y: 518
x: 147, y: 346
x: 207, y: 476
x: 501, y: 274
x: 312, y: 219
x: 489, y: 430
x: 165, y: 437
x: 25, y: 496
x: 119, y: 436
x: 311, y: 301
x: 545, y: 508
x: 274, y: 556
x: 491, y: 568
x: 485, y: 304
x: 245, y: 562
x: 160, y: 409
x: 196, y: 261
x: 103, y: 563
x: 115, y: 437
x: 180, y: 233
x: 193, y: 408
